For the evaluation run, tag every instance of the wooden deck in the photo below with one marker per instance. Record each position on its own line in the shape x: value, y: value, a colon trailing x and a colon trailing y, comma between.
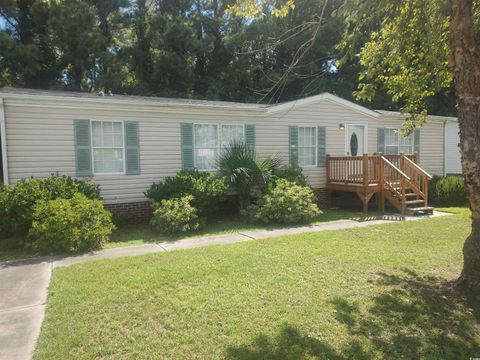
x: 397, y: 178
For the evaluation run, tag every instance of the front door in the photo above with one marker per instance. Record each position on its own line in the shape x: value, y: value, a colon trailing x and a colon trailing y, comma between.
x: 355, y: 141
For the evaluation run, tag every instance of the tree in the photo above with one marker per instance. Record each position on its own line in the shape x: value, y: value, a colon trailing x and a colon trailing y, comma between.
x: 415, y: 50
x: 27, y: 57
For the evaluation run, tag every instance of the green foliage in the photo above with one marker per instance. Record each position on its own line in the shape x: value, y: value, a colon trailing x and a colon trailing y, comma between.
x: 291, y: 173
x: 244, y: 171
x: 207, y: 189
x: 175, y: 215
x: 75, y: 224
x: 406, y: 52
x: 286, y: 203
x: 17, y: 202
x: 447, y: 191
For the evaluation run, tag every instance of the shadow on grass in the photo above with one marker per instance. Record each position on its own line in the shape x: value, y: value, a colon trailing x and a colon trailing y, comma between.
x: 416, y: 317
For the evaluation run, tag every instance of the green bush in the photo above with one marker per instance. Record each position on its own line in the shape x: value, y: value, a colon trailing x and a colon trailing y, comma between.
x: 72, y: 224
x: 175, y: 216
x: 207, y: 189
x: 286, y: 203
x: 447, y: 191
x: 17, y: 202
x: 292, y: 174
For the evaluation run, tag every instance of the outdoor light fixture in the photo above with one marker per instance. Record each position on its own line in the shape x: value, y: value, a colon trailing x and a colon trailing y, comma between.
x: 341, y: 127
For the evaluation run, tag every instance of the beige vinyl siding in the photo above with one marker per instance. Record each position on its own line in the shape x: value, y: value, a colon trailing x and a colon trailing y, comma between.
x: 41, y: 141
x: 40, y: 137
x: 272, y: 134
x: 431, y: 142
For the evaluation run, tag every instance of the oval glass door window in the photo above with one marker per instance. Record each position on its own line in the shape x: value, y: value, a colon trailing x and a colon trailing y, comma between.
x: 354, y: 144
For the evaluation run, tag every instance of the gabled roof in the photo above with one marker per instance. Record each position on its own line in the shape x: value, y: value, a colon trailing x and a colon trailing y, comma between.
x: 175, y: 102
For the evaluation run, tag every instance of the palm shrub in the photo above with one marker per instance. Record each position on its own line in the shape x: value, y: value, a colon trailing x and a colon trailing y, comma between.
x: 244, y: 171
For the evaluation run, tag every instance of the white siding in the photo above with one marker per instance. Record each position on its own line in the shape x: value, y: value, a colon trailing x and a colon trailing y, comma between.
x: 40, y: 138
x: 431, y: 142
x: 453, y: 164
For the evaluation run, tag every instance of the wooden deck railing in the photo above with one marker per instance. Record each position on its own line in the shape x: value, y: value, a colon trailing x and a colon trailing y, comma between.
x: 351, y: 169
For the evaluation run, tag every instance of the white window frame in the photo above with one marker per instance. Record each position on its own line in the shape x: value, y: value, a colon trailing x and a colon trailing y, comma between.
x: 315, y: 130
x: 398, y: 142
x: 93, y: 148
x: 219, y: 141
x: 365, y: 139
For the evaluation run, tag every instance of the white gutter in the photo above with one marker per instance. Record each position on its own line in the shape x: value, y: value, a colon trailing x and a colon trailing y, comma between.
x: 3, y: 138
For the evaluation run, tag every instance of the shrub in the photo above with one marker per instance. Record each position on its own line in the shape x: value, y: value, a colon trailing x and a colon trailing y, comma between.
x: 447, y: 191
x: 245, y: 172
x: 175, y: 215
x: 292, y: 174
x: 17, y: 202
x: 207, y: 189
x: 286, y: 203
x: 72, y: 224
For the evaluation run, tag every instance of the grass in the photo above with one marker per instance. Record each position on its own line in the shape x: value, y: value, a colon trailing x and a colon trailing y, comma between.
x: 375, y: 292
x: 144, y: 234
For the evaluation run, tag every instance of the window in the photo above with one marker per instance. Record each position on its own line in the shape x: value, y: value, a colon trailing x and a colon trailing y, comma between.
x: 108, y: 148
x: 395, y: 143
x: 307, y: 146
x: 208, y: 142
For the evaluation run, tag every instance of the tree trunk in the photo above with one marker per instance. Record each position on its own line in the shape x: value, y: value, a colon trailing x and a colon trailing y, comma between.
x: 465, y: 60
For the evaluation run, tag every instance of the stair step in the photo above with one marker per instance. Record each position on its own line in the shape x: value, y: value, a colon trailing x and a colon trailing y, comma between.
x: 423, y: 209
x: 410, y: 194
x: 412, y: 202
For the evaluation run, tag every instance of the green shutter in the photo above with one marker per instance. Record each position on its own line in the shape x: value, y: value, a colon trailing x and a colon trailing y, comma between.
x: 132, y: 150
x: 381, y: 140
x: 293, y: 144
x: 83, y: 149
x: 250, y: 136
x: 187, y: 146
x: 321, y: 146
x: 416, y: 141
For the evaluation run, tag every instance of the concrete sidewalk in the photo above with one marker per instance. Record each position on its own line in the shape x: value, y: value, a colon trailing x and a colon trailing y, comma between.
x: 24, y: 283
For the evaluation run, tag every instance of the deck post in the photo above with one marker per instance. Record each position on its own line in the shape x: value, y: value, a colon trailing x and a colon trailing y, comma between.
x: 401, y: 162
x: 381, y: 183
x: 327, y: 163
x: 365, y: 171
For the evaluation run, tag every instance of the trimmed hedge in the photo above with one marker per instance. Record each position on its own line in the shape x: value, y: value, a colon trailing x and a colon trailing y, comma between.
x: 285, y: 203
x: 447, y: 191
x: 17, y: 202
x: 75, y: 224
x: 175, y: 216
x: 207, y: 190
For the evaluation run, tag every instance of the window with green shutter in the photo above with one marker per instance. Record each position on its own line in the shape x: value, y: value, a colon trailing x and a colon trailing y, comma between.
x: 132, y: 151
x: 83, y: 149
x: 187, y: 146
x: 250, y: 136
x: 293, y: 145
x: 322, y: 146
x: 381, y: 140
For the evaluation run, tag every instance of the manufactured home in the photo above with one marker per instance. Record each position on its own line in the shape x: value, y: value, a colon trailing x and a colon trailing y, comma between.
x: 125, y: 143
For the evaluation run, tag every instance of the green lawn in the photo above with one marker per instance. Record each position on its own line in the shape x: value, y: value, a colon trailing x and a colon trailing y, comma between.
x: 144, y: 234
x: 375, y: 292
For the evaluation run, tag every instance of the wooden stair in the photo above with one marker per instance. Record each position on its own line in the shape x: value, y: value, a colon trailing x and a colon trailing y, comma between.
x: 406, y: 186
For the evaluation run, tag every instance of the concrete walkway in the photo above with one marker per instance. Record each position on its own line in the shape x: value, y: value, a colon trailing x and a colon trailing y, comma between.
x: 24, y: 283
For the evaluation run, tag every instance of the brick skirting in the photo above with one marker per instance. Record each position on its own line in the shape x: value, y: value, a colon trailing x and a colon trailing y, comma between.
x: 137, y: 211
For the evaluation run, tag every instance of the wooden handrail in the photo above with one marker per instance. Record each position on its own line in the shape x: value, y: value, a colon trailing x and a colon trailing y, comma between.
x: 396, y: 169
x: 418, y: 168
